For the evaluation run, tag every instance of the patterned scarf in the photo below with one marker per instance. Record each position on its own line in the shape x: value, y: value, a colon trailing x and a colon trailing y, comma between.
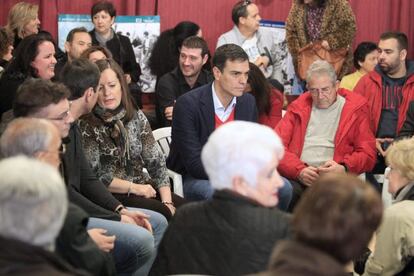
x: 119, y: 134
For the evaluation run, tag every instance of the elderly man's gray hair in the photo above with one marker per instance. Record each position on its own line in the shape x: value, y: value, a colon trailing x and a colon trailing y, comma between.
x: 33, y: 201
x: 25, y: 136
x: 239, y: 149
x: 321, y: 67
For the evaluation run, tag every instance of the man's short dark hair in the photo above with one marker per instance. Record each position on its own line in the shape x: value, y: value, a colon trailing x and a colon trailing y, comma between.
x: 106, y: 6
x: 230, y: 52
x: 195, y: 42
x: 240, y: 10
x: 362, y: 50
x: 35, y: 94
x: 78, y: 76
x: 399, y: 36
x: 72, y: 33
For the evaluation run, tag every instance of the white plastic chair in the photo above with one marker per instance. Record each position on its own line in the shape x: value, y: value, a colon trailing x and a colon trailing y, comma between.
x: 385, y: 195
x: 163, y: 138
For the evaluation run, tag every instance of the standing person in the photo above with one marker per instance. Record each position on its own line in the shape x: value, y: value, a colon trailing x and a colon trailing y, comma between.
x: 258, y: 43
x: 103, y: 15
x: 365, y: 59
x: 269, y: 100
x: 389, y: 89
x: 119, y: 144
x: 34, y: 58
x: 329, y: 21
x: 23, y: 20
x: 234, y: 232
x: 188, y: 75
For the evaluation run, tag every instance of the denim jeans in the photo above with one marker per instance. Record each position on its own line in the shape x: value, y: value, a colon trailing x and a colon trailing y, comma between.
x: 138, y: 238
x: 285, y: 195
x: 196, y: 189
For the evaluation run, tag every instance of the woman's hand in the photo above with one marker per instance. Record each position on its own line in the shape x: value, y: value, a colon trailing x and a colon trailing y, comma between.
x: 104, y: 242
x: 145, y: 190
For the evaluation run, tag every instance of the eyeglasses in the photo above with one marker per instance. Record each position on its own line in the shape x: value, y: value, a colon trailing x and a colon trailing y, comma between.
x: 64, y: 115
x: 324, y: 91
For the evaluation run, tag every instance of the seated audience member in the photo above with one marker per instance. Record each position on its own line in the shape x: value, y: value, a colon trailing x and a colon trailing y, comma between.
x: 166, y: 51
x: 234, y: 232
x: 43, y: 99
x: 200, y: 111
x: 34, y: 58
x: 394, y: 246
x: 188, y: 75
x: 119, y: 144
x: 407, y: 130
x: 388, y: 89
x: 365, y: 59
x: 332, y: 224
x: 95, y: 53
x: 22, y: 21
x: 77, y: 41
x: 32, y: 212
x: 269, y: 100
x: 40, y: 139
x: 257, y: 41
x: 6, y: 48
x: 325, y: 130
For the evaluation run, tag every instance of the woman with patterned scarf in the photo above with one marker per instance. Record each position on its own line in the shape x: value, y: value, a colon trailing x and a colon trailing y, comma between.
x: 118, y: 142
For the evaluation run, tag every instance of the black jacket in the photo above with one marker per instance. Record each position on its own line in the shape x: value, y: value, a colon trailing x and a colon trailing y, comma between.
x: 228, y: 235
x: 75, y: 245
x: 9, y: 83
x: 20, y: 258
x: 121, y: 49
x: 84, y: 188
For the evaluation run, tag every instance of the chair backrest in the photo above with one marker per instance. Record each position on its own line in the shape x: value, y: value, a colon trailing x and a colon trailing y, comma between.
x: 163, y: 138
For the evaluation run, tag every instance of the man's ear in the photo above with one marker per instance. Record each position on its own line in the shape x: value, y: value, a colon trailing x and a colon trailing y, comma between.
x: 216, y: 73
x: 67, y: 47
x: 403, y: 54
x: 89, y: 94
x: 205, y: 58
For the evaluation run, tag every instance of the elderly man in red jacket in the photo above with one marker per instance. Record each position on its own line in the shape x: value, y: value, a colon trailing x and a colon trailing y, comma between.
x: 326, y: 130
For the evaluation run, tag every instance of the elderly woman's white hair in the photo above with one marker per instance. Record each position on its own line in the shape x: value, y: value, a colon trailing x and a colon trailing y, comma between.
x: 33, y: 201
x: 239, y: 149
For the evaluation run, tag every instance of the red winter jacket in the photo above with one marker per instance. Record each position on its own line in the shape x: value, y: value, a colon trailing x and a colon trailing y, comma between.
x: 370, y: 86
x: 354, y: 142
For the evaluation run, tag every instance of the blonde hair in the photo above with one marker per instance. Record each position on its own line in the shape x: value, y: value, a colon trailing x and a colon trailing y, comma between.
x: 19, y: 16
x: 401, y: 155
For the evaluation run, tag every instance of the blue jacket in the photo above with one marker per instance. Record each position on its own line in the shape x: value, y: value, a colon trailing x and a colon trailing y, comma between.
x: 193, y: 122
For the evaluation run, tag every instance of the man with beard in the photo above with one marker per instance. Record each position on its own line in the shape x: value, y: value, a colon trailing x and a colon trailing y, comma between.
x: 388, y: 89
x: 187, y: 76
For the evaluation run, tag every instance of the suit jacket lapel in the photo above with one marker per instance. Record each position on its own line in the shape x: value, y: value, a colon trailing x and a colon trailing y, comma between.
x: 207, y: 108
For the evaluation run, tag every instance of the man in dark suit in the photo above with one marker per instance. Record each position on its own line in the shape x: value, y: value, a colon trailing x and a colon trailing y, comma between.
x: 199, y: 112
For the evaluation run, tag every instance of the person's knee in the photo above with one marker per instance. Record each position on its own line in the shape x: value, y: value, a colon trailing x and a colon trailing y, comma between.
x: 285, y: 194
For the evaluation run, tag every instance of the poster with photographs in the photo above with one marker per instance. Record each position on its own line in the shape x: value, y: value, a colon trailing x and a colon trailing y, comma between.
x: 283, y: 69
x: 143, y: 31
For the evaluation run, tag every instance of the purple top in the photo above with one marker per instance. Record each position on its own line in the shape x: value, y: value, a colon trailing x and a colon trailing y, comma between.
x: 314, y: 22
